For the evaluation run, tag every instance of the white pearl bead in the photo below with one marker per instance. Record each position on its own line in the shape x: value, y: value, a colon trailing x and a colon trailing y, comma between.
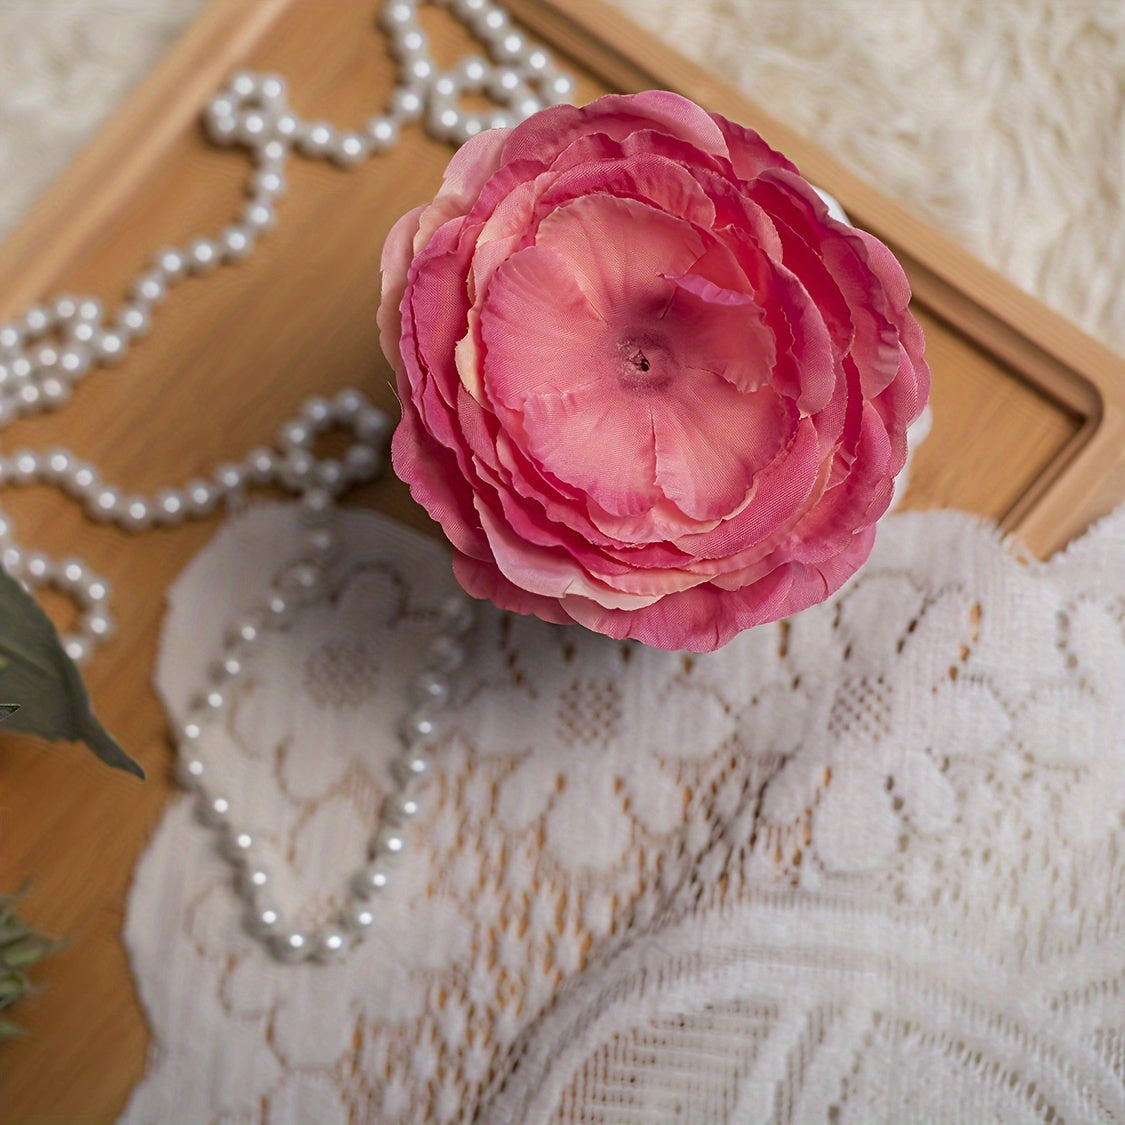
x: 222, y: 130
x: 372, y: 426
x: 349, y: 403
x: 28, y: 396
x: 406, y: 104
x: 24, y: 467
x: 291, y: 945
x: 36, y: 321
x: 266, y: 182
x: 272, y: 88
x: 150, y: 288
x: 75, y: 360
x: 230, y: 478
x: 561, y: 87
x: 65, y: 307
x: 259, y: 217
x: 77, y: 648
x: 316, y: 505
x: 261, y: 465
x: 456, y: 615
x: 265, y: 919
x: 200, y: 497
x: 444, y: 654
x: 287, y: 126
x: 330, y: 475
x: 316, y: 411
x: 349, y: 150
x: 203, y: 256
x: 83, y: 480
x: 411, y: 766
x: 330, y: 945
x: 398, y: 15
x: 297, y: 468
x: 244, y: 84
x: 36, y: 566
x: 273, y: 153
x: 417, y: 728
x: 400, y: 809
x: 215, y: 811
x: 473, y: 70
x: 172, y: 264
x: 295, y: 434
x: 11, y: 558
x: 99, y: 625
x: 316, y: 139
x: 245, y: 633
x: 11, y: 337
x: 370, y: 880
x: 240, y: 846
x: 358, y: 918
x: 96, y: 591
x: 236, y: 242
x: 190, y: 771
x: 136, y: 514
x: 431, y: 688
x: 133, y: 321
x: 169, y: 506
x: 72, y: 571
x: 278, y: 608
x: 361, y: 462
x: 103, y: 505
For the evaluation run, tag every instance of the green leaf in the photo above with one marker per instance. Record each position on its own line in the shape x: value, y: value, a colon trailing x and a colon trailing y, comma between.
x: 28, y: 950
x: 42, y: 682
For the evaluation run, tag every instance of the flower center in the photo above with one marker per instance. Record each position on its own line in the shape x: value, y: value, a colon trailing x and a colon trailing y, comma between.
x: 645, y: 364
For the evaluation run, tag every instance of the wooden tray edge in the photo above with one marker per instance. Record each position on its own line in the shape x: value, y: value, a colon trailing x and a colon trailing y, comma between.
x: 146, y: 124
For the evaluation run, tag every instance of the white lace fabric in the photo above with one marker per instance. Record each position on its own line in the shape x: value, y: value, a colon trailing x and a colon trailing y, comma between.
x: 866, y: 865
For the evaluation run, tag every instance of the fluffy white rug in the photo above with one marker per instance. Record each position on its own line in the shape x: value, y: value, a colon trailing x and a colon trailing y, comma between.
x: 1002, y: 123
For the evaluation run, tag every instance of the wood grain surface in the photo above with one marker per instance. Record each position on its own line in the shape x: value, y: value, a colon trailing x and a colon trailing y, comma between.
x: 1029, y: 421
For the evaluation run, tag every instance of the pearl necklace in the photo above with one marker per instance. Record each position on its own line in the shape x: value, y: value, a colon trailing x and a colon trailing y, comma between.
x: 55, y: 345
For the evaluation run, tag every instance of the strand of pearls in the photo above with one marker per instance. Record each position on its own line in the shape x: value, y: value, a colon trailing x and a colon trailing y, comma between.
x: 50, y: 349
x: 290, y: 465
x: 53, y: 346
x: 303, y: 581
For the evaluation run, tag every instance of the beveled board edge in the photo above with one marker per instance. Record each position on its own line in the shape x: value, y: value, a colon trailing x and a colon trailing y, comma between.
x: 1086, y: 479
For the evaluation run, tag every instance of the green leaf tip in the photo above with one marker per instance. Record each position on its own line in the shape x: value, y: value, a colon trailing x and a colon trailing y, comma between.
x: 36, y: 671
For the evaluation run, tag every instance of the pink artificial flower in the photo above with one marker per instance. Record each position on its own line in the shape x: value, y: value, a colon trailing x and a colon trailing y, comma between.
x: 648, y: 384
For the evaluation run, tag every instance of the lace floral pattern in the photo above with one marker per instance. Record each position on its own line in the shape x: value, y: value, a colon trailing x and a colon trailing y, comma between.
x: 865, y: 860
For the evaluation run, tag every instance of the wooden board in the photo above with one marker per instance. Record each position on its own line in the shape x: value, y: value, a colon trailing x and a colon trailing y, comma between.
x: 1030, y: 419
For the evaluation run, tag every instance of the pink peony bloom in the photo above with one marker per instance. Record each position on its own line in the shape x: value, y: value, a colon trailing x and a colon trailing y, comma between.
x: 647, y: 383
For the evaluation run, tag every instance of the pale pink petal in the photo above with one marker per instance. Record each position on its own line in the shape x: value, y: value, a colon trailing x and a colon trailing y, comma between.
x: 621, y: 251
x: 465, y: 175
x: 712, y: 440
x: 721, y: 331
x: 539, y: 330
